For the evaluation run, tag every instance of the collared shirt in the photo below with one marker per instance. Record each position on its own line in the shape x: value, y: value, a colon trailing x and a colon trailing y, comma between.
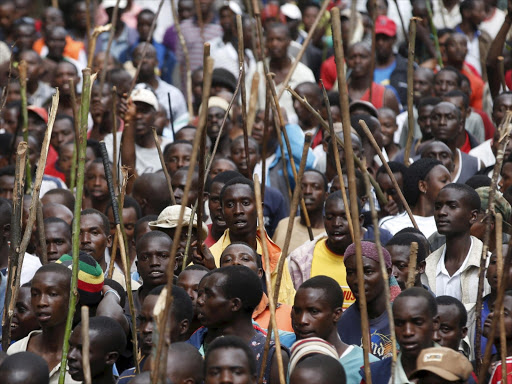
x: 446, y: 284
x: 473, y: 56
x: 400, y: 376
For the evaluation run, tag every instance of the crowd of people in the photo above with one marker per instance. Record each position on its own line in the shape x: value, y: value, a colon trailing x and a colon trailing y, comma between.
x: 221, y: 297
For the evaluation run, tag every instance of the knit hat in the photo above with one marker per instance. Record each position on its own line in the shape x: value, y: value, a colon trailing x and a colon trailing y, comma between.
x: 444, y: 362
x: 310, y: 346
x: 369, y: 251
x: 90, y: 277
x: 168, y: 218
x: 501, y: 205
x: 416, y: 172
x: 223, y: 77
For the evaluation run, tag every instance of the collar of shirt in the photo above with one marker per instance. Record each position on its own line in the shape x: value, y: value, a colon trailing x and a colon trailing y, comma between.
x: 441, y: 267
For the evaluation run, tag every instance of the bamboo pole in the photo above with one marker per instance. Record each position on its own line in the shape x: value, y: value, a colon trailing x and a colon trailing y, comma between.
x: 413, y: 261
x: 22, y: 68
x: 41, y: 233
x: 188, y: 72
x: 410, y: 89
x: 98, y: 30
x: 164, y: 168
x: 385, y: 276
x: 82, y: 147
x: 145, y: 48
x: 253, y: 100
x: 86, y: 364
x: 499, y: 257
x: 161, y: 363
x: 501, y: 69
x: 388, y: 170
x: 504, y: 130
x: 351, y: 173
x: 270, y: 289
x: 76, y: 126
x: 17, y: 201
x: 109, y: 45
x: 241, y: 63
x: 305, y: 44
x: 266, y: 119
x: 337, y: 162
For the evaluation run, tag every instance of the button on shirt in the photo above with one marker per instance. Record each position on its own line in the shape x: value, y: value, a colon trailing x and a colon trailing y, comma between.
x: 446, y: 284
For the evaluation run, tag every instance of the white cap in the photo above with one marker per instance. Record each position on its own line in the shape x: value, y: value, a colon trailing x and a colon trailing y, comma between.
x: 145, y: 96
x: 291, y: 11
x: 112, y: 3
x: 235, y: 8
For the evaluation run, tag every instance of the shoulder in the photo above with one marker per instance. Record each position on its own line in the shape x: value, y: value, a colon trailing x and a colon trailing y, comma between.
x: 305, y: 251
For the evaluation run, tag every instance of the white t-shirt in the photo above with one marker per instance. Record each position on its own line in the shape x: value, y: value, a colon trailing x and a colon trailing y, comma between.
x: 394, y: 224
x: 446, y: 284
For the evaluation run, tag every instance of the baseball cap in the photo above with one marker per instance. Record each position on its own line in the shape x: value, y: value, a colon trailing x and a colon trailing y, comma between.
x: 216, y: 101
x: 235, y: 8
x: 168, y: 218
x: 41, y: 112
x: 384, y: 25
x: 145, y: 96
x: 291, y: 11
x: 366, y: 105
x: 445, y: 363
x: 501, y: 205
x: 112, y: 3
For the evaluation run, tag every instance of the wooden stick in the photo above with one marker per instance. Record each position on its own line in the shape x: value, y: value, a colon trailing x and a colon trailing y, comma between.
x: 434, y: 34
x: 388, y: 170
x: 241, y: 63
x: 504, y: 130
x: 413, y: 261
x: 164, y: 168
x: 199, y: 203
x: 145, y: 48
x: 271, y: 294
x: 41, y: 233
x: 114, y: 139
x: 171, y: 113
x: 305, y: 44
x: 351, y: 172
x: 293, y: 209
x: 122, y: 194
x: 501, y: 69
x: 253, y: 100
x: 86, y: 364
x: 17, y: 202
x: 410, y: 90
x: 76, y: 126
x: 385, y: 276
x: 337, y: 161
x: 189, y: 237
x: 160, y: 366
x: 22, y: 67
x: 98, y: 30
x: 80, y: 173
x: 266, y: 119
x: 109, y: 45
x: 499, y: 258
x: 378, y: 191
x: 353, y: 20
x: 188, y: 72
x: 373, y: 5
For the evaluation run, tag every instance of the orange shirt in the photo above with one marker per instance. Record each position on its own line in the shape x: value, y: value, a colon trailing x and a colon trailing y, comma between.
x: 477, y: 88
x: 71, y: 50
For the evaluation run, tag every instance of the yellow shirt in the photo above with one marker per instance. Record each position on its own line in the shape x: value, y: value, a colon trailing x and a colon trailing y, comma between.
x: 329, y: 264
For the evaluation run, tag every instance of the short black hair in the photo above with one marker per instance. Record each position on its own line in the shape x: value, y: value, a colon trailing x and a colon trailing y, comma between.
x: 170, y: 146
x: 57, y: 220
x: 326, y: 367
x: 449, y: 68
x: 337, y: 195
x: 322, y: 175
x: 150, y: 236
x: 237, y: 180
x: 395, y: 167
x: 24, y: 367
x: 450, y: 300
x: 67, y: 196
x: 418, y: 292
x: 104, y: 219
x: 146, y: 12
x: 144, y: 219
x: 419, y: 235
x: 240, y: 282
x: 129, y: 202
x: 197, y: 267
x: 458, y: 93
x: 182, y: 307
x: 332, y: 290
x: 471, y: 197
x: 231, y: 342
x: 111, y: 333
x: 478, y: 181
x: 278, y: 25
x: 406, y: 239
x: 428, y: 100
x: 224, y: 177
x: 257, y: 256
x: 56, y: 268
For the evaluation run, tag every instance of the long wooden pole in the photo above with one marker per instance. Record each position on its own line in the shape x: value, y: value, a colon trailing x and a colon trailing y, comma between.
x: 76, y: 126
x: 241, y: 63
x: 41, y: 233
x: 114, y: 139
x: 86, y: 342
x: 388, y: 170
x: 164, y: 168
x: 98, y: 30
x: 373, y: 6
x: 17, y: 201
x: 270, y: 289
x: 413, y: 261
x: 499, y: 258
x: 351, y: 172
x: 501, y: 69
x: 22, y: 68
x: 410, y: 89
x: 82, y: 147
x: 253, y: 100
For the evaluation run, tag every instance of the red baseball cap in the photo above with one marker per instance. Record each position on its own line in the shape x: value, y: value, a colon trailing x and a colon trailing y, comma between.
x: 41, y: 112
x: 385, y: 26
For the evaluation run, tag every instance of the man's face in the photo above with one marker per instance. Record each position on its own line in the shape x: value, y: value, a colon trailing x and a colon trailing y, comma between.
x: 33, y: 65
x: 129, y: 221
x: 458, y: 101
x: 306, y: 118
x: 425, y: 122
x: 445, y: 81
x: 240, y: 254
x: 214, y: 121
x: 308, y: 17
x: 504, y: 183
x: 222, y: 165
x: 56, y: 41
x: 215, y: 206
x: 446, y: 125
x: 373, y: 281
x: 23, y: 319
x: 145, y: 320
x: 96, y: 182
x: 400, y: 259
x: 239, y: 209
x: 7, y: 15
x: 414, y: 325
x: 452, y: 214
x: 388, y: 127
x: 62, y: 133
x: 228, y: 365
x: 213, y: 308
x: 456, y: 48
x: 240, y: 159
x: 180, y: 252
x: 441, y: 152
x: 387, y: 186
x: 384, y: 46
x: 359, y: 60
x: 312, y: 316
x: 189, y: 281
x: 507, y: 314
x: 144, y: 119
x: 101, y: 103
x: 152, y: 260
x: 93, y: 238
x: 277, y: 42
x: 501, y: 106
x: 50, y: 298
x: 6, y: 186
x: 9, y: 119
x: 313, y: 191
x: 64, y: 72
x: 227, y: 20
x: 149, y: 61
x: 179, y: 156
x: 58, y: 241
x: 36, y: 125
x: 178, y: 182
x: 144, y: 22
x: 336, y: 224
x: 477, y: 14
x: 98, y: 357
x: 450, y: 333
x: 422, y: 85
x: 185, y: 9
